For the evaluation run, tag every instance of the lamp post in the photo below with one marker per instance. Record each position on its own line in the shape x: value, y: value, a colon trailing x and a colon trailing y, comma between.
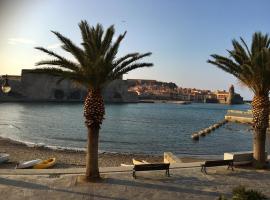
x: 5, y: 86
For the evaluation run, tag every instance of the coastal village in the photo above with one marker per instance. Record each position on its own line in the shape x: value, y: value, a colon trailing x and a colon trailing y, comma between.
x: 156, y: 90
x: 71, y: 127
x: 44, y: 87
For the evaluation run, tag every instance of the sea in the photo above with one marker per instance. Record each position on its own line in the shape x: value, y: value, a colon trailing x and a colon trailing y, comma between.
x: 141, y: 128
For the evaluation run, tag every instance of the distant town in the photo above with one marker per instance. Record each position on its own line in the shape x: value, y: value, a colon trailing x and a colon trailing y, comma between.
x: 156, y: 90
x: 43, y: 87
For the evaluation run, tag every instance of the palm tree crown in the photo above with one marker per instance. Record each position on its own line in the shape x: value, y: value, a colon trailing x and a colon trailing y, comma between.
x: 250, y: 65
x: 96, y: 61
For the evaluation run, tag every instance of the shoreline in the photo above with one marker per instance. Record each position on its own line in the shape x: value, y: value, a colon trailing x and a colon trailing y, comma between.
x: 68, y: 158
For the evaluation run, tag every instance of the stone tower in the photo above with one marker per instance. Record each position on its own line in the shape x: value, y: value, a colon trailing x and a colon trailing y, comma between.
x: 231, y: 95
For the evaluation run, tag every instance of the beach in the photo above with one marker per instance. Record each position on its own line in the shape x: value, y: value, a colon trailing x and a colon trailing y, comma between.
x: 65, y: 158
x: 69, y: 158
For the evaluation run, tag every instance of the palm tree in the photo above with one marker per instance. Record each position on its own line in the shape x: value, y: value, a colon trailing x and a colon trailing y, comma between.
x: 96, y: 65
x: 251, y: 66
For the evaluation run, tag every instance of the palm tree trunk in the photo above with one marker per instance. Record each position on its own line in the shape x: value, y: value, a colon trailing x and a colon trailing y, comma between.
x: 92, y: 170
x: 94, y: 112
x: 260, y: 112
x: 259, y: 148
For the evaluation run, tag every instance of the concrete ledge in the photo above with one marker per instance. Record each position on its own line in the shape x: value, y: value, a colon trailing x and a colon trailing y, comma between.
x: 249, y: 112
x: 238, y: 119
x: 82, y: 170
x: 61, y: 171
x: 240, y: 158
x: 169, y: 157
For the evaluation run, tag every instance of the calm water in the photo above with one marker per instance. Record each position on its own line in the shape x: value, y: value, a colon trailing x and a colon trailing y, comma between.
x: 136, y: 128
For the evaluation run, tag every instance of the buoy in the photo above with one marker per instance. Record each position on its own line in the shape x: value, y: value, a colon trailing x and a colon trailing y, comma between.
x: 216, y: 125
x: 207, y: 130
x: 202, y: 133
x: 195, y: 136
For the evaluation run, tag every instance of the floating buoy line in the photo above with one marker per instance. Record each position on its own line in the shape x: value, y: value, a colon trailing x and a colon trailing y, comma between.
x: 206, y: 131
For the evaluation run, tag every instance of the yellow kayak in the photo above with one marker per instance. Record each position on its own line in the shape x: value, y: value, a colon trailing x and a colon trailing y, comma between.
x: 44, y: 164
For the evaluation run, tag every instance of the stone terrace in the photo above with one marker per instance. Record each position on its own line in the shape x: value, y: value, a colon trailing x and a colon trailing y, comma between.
x: 184, y: 183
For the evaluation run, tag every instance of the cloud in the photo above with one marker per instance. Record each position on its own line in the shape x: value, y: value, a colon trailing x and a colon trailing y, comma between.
x: 15, y: 41
x: 54, y: 46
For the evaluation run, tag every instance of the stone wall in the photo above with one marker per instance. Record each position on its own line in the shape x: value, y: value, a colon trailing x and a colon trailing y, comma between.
x: 44, y: 87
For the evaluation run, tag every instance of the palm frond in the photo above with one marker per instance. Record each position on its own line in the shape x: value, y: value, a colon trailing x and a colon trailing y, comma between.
x: 61, y: 63
x: 97, y: 63
x: 112, y: 51
x: 245, y: 45
x: 70, y: 47
x: 132, y: 59
x: 250, y: 66
x: 129, y: 68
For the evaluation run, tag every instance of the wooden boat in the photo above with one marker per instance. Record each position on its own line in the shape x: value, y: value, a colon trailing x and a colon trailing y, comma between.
x: 28, y: 164
x: 138, y: 162
x: 44, y: 164
x: 4, y: 157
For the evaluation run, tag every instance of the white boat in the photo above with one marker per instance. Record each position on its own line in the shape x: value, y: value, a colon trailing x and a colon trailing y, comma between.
x: 28, y: 164
x: 4, y: 157
x: 138, y: 162
x: 126, y: 165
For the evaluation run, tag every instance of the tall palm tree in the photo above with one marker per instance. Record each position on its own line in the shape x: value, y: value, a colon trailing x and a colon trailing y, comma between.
x: 251, y: 66
x: 96, y: 65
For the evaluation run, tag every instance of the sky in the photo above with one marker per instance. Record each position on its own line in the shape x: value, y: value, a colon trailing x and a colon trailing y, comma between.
x: 181, y: 34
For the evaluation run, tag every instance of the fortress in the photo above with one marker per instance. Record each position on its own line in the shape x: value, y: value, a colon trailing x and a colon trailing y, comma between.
x: 43, y: 87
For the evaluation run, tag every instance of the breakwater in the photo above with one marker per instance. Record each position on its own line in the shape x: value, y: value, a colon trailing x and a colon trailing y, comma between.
x: 196, y: 136
x: 239, y: 116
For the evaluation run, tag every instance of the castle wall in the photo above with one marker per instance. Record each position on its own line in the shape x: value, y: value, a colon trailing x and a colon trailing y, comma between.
x: 44, y: 87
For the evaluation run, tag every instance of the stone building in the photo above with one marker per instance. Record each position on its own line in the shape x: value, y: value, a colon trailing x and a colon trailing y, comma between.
x: 43, y: 87
x: 229, y: 97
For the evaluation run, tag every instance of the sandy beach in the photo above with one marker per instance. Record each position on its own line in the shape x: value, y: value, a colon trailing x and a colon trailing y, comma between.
x: 67, y: 158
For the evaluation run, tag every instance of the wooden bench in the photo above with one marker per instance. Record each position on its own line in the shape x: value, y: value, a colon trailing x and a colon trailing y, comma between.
x: 151, y: 167
x: 215, y: 163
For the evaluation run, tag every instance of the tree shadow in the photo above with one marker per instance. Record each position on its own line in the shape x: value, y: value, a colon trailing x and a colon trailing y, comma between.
x: 164, y: 186
x: 35, y: 186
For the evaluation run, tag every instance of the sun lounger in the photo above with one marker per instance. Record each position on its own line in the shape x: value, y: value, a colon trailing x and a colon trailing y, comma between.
x: 215, y: 163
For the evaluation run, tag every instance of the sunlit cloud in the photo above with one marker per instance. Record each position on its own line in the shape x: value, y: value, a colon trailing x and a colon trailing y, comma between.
x: 15, y: 41
x: 54, y: 46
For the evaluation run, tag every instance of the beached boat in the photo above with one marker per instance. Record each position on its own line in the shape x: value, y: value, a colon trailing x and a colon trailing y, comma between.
x: 28, y: 164
x: 4, y: 157
x: 45, y: 164
x: 125, y: 165
x: 138, y: 162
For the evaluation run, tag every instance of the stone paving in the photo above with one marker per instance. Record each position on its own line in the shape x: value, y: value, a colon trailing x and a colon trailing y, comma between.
x: 184, y: 183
